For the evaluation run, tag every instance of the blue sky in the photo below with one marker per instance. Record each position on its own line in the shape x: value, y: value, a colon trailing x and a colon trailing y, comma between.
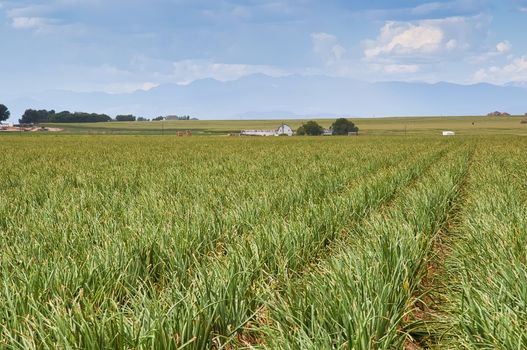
x: 124, y: 45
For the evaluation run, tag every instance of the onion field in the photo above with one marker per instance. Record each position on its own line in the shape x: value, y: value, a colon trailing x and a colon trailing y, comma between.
x: 158, y: 242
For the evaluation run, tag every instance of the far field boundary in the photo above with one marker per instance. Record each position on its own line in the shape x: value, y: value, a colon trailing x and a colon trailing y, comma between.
x: 466, y: 125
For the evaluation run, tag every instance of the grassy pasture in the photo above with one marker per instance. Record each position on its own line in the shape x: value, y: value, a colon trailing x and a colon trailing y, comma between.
x: 369, y: 126
x: 158, y: 242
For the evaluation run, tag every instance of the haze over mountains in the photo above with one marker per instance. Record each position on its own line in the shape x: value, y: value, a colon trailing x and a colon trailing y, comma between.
x: 294, y: 96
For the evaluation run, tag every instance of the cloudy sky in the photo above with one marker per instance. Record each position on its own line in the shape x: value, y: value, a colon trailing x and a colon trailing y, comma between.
x: 125, y: 45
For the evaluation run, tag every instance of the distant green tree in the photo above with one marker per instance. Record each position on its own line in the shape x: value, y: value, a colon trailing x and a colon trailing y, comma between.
x: 343, y: 126
x: 142, y: 119
x: 311, y: 128
x: 4, y: 113
x: 157, y: 119
x: 301, y: 131
x: 125, y: 118
x: 32, y: 116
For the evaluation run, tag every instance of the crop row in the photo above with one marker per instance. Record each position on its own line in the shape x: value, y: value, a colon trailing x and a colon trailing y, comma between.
x: 485, y: 273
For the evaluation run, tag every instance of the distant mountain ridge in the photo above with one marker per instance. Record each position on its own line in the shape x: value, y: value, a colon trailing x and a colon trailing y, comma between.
x: 295, y: 96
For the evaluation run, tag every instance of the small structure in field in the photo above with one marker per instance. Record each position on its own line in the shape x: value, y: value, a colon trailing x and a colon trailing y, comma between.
x: 283, y: 130
x: 327, y: 132
x: 449, y: 133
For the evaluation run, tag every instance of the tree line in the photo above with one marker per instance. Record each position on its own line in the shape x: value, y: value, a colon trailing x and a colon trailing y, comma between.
x: 33, y: 116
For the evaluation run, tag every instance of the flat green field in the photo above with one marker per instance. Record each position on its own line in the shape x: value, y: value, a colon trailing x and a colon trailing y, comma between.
x: 160, y: 242
x: 371, y: 126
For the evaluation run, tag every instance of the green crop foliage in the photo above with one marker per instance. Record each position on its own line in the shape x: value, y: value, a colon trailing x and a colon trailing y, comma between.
x: 159, y: 242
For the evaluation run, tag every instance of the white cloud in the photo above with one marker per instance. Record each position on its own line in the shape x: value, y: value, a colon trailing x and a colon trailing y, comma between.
x: 187, y: 71
x: 328, y: 47
x: 514, y: 71
x: 28, y: 22
x: 333, y: 55
x: 337, y: 62
x: 406, y: 39
x: 425, y: 38
x: 503, y: 47
x: 148, y: 86
x: 500, y: 50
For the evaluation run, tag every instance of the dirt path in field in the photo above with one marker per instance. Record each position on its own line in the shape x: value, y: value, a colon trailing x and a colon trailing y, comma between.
x: 426, y: 317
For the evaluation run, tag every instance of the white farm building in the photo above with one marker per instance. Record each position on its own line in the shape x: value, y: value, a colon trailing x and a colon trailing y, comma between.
x: 449, y: 133
x: 283, y: 129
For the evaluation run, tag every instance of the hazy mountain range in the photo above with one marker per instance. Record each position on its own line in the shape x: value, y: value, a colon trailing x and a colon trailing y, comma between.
x: 261, y: 96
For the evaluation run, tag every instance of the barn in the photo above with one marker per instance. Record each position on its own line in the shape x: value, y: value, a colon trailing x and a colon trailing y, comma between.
x: 284, y: 129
